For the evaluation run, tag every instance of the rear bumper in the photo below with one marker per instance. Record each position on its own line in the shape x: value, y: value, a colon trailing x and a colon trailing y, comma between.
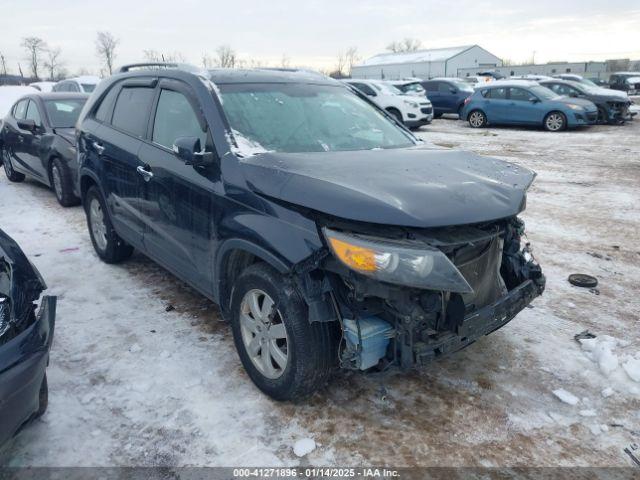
x: 23, y: 361
x: 479, y: 323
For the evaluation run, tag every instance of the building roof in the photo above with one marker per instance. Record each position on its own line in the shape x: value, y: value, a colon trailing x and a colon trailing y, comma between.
x: 430, y: 55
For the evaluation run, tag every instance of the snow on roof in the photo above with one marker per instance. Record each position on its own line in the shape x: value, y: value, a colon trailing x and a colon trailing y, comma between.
x: 430, y: 55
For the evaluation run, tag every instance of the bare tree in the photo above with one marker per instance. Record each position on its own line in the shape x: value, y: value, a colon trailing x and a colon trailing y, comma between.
x: 106, y: 45
x: 172, y: 57
x: 351, y: 57
x: 406, y: 45
x: 285, y: 61
x: 227, y: 58
x: 3, y: 64
x: 207, y: 61
x: 35, y: 48
x: 53, y: 62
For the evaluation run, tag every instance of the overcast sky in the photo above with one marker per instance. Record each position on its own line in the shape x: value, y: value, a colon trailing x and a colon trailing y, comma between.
x: 312, y: 33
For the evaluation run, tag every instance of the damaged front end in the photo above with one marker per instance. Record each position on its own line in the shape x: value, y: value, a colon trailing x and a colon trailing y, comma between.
x: 411, y: 296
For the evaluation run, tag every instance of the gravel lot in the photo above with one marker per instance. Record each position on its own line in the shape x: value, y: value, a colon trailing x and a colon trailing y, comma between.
x: 133, y: 384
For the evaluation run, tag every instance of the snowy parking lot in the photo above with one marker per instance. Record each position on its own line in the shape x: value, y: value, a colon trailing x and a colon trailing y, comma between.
x: 144, y: 372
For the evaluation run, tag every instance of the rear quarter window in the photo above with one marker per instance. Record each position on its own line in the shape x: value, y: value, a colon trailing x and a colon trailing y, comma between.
x: 131, y: 112
x: 105, y: 107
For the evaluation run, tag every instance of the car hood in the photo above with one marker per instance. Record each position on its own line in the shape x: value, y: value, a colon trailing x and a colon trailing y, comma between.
x: 413, y: 187
x: 586, y: 104
x: 608, y: 93
x: 69, y: 134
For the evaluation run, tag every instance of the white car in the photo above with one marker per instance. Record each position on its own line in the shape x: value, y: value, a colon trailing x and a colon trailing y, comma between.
x: 85, y: 84
x: 43, y: 86
x: 413, y: 112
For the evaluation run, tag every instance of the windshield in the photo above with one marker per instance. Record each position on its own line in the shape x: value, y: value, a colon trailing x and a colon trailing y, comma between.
x: 411, y: 87
x: 543, y: 92
x: 295, y: 117
x: 64, y: 113
x: 88, y: 87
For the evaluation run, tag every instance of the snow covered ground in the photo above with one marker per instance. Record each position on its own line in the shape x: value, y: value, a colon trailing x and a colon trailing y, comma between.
x: 134, y: 384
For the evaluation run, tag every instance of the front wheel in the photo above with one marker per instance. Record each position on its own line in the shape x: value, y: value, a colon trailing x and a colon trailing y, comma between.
x: 12, y: 175
x: 285, y: 355
x: 477, y: 119
x: 396, y: 114
x: 62, y: 184
x: 106, y: 242
x: 555, y: 122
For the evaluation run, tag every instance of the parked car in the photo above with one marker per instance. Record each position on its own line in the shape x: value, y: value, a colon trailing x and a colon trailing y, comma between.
x: 613, y: 106
x: 476, y: 81
x: 532, y: 77
x: 328, y: 234
x: 409, y: 87
x: 38, y: 140
x: 25, y: 340
x: 572, y: 77
x: 519, y: 102
x: 84, y: 84
x: 628, y: 82
x: 406, y: 109
x: 447, y: 94
x: 43, y: 86
x: 599, y: 82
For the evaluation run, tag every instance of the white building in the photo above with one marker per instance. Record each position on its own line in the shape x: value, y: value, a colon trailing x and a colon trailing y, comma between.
x: 437, y: 62
x: 586, y: 69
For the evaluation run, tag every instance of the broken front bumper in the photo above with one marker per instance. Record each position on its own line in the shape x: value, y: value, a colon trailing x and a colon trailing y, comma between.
x: 478, y: 323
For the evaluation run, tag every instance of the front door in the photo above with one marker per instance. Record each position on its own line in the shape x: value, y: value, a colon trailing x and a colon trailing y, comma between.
x: 32, y: 144
x: 180, y: 198
x: 524, y: 107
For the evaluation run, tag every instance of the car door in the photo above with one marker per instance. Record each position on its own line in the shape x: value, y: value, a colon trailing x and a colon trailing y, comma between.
x: 13, y: 135
x: 180, y: 197
x: 117, y: 144
x: 496, y: 105
x: 435, y: 96
x: 32, y: 143
x: 448, y: 98
x: 522, y: 108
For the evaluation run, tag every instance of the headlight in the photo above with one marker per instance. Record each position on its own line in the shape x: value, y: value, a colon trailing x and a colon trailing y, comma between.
x: 576, y: 107
x: 413, y: 266
x: 411, y: 104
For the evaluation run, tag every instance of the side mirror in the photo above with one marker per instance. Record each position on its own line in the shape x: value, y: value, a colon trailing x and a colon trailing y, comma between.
x: 28, y: 125
x: 573, y: 95
x: 189, y: 150
x: 453, y: 90
x: 533, y: 99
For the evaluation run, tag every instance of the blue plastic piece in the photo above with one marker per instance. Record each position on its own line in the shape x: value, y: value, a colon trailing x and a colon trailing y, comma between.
x: 374, y: 335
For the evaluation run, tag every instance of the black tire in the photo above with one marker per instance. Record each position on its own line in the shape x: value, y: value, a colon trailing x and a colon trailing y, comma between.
x: 43, y: 397
x: 311, y: 347
x: 437, y: 115
x: 12, y: 175
x: 62, y: 185
x: 555, y: 122
x: 477, y: 119
x: 603, y: 116
x: 115, y: 248
x: 396, y: 114
x: 583, y: 280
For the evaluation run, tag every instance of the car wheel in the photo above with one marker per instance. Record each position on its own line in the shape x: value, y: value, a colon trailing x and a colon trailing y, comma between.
x: 60, y: 180
x: 603, y: 117
x: 12, y: 175
x: 106, y: 242
x: 477, y: 119
x: 396, y: 114
x: 43, y: 397
x: 285, y: 355
x: 555, y: 122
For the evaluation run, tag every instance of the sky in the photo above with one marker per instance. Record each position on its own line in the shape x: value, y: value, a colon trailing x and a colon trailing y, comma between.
x: 313, y: 33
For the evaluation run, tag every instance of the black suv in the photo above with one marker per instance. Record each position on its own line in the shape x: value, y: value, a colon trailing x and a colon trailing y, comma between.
x: 327, y: 233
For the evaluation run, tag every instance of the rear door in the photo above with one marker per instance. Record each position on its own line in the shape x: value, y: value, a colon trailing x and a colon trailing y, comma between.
x: 117, y: 145
x: 180, y: 198
x: 496, y: 105
x: 434, y: 95
x: 448, y: 99
x: 13, y: 136
x: 32, y: 143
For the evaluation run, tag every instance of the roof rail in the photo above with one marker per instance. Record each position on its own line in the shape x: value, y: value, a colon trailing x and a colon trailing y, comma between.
x: 164, y: 65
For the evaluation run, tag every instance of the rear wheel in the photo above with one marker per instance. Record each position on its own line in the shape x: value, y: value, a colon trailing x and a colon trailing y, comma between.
x: 285, y: 355
x: 12, y: 175
x: 555, y: 122
x: 477, y: 119
x: 106, y: 242
x: 60, y: 179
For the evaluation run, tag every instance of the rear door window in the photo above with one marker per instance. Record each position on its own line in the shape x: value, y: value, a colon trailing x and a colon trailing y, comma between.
x: 175, y: 118
x: 497, y: 93
x: 131, y: 113
x: 444, y: 87
x: 103, y: 114
x: 430, y: 86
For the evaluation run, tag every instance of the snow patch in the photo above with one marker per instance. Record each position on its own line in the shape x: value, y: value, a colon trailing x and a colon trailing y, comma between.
x: 243, y: 146
x: 566, y: 397
x: 607, y: 392
x: 632, y: 367
x: 304, y: 446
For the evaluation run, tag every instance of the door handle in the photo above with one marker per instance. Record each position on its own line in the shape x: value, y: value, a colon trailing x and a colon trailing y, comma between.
x: 146, y: 172
x: 97, y: 147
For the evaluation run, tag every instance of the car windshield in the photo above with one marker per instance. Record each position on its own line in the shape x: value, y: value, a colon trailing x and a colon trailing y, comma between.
x: 296, y: 117
x: 64, y: 113
x: 88, y: 87
x: 543, y: 92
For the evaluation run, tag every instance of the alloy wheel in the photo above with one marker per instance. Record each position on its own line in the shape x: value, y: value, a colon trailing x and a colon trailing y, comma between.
x: 555, y: 122
x: 476, y: 119
x: 98, y: 226
x: 263, y: 334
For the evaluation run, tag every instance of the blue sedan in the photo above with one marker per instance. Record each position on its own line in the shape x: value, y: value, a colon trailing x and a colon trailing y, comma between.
x: 526, y: 103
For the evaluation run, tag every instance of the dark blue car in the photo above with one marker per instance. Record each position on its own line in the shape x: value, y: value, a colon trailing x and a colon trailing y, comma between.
x: 447, y: 94
x: 25, y: 340
x: 519, y: 102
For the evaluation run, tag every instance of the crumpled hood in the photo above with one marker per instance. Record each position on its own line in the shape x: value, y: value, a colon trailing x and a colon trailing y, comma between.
x: 586, y: 104
x: 69, y: 134
x: 413, y: 187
